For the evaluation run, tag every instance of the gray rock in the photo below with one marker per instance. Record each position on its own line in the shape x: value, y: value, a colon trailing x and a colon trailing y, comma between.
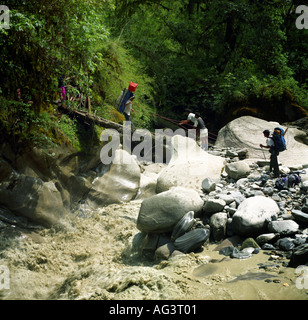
x: 227, y: 251
x: 231, y: 154
x: 165, y: 251
x: 268, y: 246
x: 161, y: 212
x: 192, y: 240
x: 304, y: 185
x: 213, y: 206
x: 252, y: 215
x: 300, y: 216
x: 286, y: 244
x: 34, y: 199
x: 242, y: 153
x: 283, y: 227
x: 230, y: 210
x: 266, y: 237
x: 237, y: 170
x: 227, y: 198
x: 236, y: 254
x: 188, y: 166
x: 218, y: 222
x: 299, y: 256
x: 120, y: 184
x: 208, y: 185
x: 238, y: 197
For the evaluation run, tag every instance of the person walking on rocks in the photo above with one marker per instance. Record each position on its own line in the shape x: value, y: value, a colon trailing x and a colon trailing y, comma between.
x: 274, y: 153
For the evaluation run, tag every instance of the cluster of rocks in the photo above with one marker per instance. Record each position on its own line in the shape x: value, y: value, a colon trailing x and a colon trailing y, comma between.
x: 243, y: 202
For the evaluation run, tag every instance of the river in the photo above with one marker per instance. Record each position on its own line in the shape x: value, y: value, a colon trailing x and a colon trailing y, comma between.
x: 95, y: 259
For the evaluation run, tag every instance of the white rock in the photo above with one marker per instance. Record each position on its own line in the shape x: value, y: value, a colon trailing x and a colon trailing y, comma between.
x: 252, y: 215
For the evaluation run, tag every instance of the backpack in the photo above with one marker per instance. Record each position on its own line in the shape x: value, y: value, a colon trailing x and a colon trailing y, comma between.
x: 125, y: 95
x: 289, y: 181
x: 122, y: 99
x: 278, y: 138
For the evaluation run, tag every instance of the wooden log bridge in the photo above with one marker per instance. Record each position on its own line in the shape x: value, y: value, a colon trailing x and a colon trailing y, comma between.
x: 89, y: 118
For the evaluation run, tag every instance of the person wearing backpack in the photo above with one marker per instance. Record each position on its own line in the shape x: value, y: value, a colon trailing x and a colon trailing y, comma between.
x: 270, y: 144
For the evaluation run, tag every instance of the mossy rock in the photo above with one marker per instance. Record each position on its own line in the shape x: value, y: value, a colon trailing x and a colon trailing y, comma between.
x: 249, y: 243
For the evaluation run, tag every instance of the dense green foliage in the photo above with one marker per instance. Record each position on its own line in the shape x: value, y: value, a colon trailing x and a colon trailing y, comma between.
x: 203, y: 54
x: 210, y: 54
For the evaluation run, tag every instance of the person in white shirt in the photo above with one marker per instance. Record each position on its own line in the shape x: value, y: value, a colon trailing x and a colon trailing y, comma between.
x: 190, y: 119
x: 274, y: 153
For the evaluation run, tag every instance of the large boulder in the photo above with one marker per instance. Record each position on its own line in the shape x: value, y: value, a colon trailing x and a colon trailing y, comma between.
x: 246, y: 132
x: 34, y: 199
x: 189, y: 166
x: 161, y: 212
x: 252, y: 216
x: 120, y: 184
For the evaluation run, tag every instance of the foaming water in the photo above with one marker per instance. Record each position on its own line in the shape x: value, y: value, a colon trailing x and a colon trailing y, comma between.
x: 95, y: 259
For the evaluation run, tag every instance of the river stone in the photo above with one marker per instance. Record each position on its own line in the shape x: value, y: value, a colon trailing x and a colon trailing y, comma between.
x: 266, y: 237
x: 208, y: 185
x: 300, y: 216
x: 249, y: 243
x: 252, y: 215
x: 213, y: 206
x: 218, y: 222
x: 34, y: 199
x: 238, y: 197
x: 237, y: 170
x: 286, y: 244
x: 188, y: 166
x: 120, y: 184
x: 299, y: 256
x: 283, y: 227
x: 161, y: 212
x: 165, y: 251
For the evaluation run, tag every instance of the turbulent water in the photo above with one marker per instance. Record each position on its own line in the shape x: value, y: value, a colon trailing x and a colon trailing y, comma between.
x: 94, y: 259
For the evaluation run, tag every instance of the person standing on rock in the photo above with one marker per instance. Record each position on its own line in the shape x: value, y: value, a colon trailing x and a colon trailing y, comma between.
x: 274, y: 153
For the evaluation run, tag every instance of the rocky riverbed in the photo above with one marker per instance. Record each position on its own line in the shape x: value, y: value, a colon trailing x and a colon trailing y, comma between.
x: 81, y: 230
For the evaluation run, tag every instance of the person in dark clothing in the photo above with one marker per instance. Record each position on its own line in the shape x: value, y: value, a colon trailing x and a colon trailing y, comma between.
x: 274, y: 153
